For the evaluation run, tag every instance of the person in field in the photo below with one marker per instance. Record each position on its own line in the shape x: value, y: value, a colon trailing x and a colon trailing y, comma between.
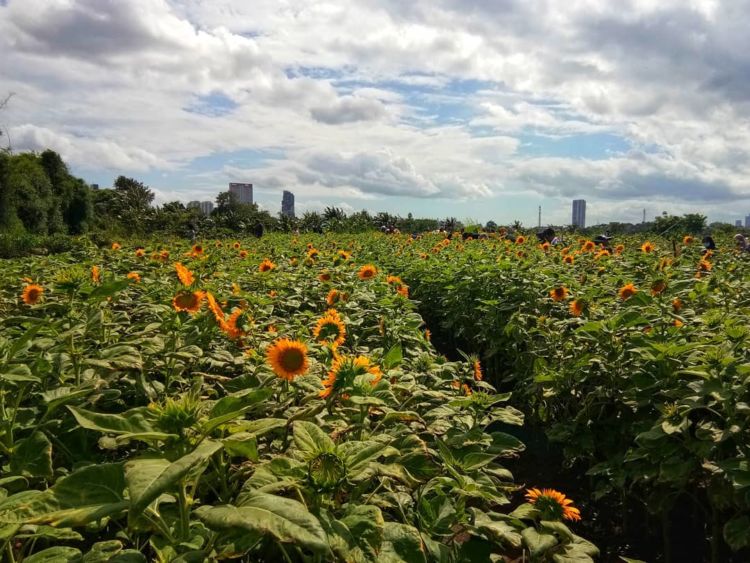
x: 742, y: 243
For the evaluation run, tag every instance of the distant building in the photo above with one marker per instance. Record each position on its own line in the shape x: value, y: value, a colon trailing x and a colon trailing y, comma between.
x: 738, y: 223
x: 747, y: 221
x: 579, y: 213
x: 243, y: 192
x: 206, y: 207
x: 287, y: 204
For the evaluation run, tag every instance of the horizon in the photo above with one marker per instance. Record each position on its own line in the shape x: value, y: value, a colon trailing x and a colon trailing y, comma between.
x: 468, y: 109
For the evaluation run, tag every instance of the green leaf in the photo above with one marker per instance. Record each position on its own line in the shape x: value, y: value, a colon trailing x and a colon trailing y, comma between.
x: 147, y: 478
x: 402, y: 543
x: 18, y: 374
x: 538, y: 543
x: 288, y: 521
x: 357, y: 455
x: 737, y: 532
x: 133, y: 421
x: 311, y: 440
x: 242, y: 444
x: 86, y: 495
x: 57, y: 554
x: 32, y: 456
x: 229, y: 408
x: 105, y: 290
x: 497, y: 530
x: 393, y: 357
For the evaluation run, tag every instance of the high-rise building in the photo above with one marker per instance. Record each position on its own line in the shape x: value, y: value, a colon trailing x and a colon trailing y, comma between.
x: 738, y: 223
x: 194, y: 204
x: 207, y: 207
x: 579, y: 213
x: 747, y: 221
x: 287, y: 204
x: 243, y: 192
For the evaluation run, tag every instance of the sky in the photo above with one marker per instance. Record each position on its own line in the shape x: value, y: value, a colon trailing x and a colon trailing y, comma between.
x: 475, y: 109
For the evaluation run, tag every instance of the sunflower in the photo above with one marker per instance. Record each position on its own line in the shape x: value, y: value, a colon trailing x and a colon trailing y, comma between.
x: 477, y: 370
x: 552, y: 504
x: 676, y: 304
x: 140, y: 252
x: 312, y: 253
x: 344, y: 371
x: 189, y: 301
x: 576, y: 307
x: 236, y: 245
x: 520, y: 239
x: 218, y: 244
x: 266, y: 266
x: 96, y: 274
x: 678, y: 323
x: 559, y: 293
x: 568, y: 259
x: 32, y: 294
x: 647, y: 247
x: 603, y: 253
x: 243, y: 253
x: 565, y: 251
x: 344, y: 255
x: 185, y: 275
x: 197, y: 250
x: 329, y: 329
x: 367, y: 272
x: 619, y: 248
x: 215, y: 308
x: 658, y: 287
x: 403, y: 291
x: 325, y: 276
x: 135, y: 276
x: 520, y: 254
x: 394, y: 280
x: 164, y: 255
x: 687, y: 240
x: 273, y: 294
x: 627, y: 291
x: 231, y: 326
x: 333, y: 297
x: 116, y: 246
x: 589, y: 246
x: 545, y: 246
x: 705, y: 266
x: 428, y: 334
x: 288, y: 358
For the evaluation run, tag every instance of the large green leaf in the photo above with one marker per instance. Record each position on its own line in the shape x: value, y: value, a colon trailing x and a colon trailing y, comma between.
x: 57, y: 554
x: 357, y: 455
x: 134, y: 421
x: 402, y: 543
x: 311, y: 440
x: 288, y: 521
x: 32, y: 456
x: 86, y: 495
x: 147, y: 478
x: 538, y: 543
x: 229, y: 408
x: 737, y: 532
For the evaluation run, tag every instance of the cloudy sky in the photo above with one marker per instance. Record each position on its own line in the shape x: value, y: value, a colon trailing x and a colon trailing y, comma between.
x: 479, y: 109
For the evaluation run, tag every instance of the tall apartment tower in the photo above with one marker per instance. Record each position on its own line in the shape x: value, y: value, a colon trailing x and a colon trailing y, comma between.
x: 579, y: 213
x: 207, y: 207
x: 747, y: 221
x: 287, y: 204
x: 243, y: 192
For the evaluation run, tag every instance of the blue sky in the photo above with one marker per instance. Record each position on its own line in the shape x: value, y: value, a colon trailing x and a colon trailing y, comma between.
x: 438, y: 108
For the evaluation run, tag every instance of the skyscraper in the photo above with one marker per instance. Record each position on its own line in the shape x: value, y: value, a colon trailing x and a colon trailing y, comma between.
x: 287, y: 204
x: 579, y: 213
x: 207, y: 207
x: 747, y: 221
x: 243, y: 192
x: 738, y: 223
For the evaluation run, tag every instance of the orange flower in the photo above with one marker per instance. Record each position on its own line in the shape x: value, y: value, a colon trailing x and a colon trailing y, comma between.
x: 544, y: 246
x: 266, y: 266
x: 658, y: 287
x: 135, y: 276
x: 552, y: 504
x: 214, y: 307
x: 705, y: 266
x: 231, y: 326
x: 559, y: 293
x: 345, y: 369
x: 325, y: 276
x: 116, y: 246
x: 243, y: 253
x: 140, y: 253
x: 189, y: 301
x: 329, y: 329
x: 32, y: 294
x: 678, y: 323
x: 367, y: 272
x: 427, y: 334
x: 164, y: 255
x: 467, y: 389
x: 96, y: 274
x: 236, y: 245
x: 647, y: 247
x: 687, y: 240
x: 627, y: 291
x: 520, y: 239
x: 287, y: 358
x: 185, y: 275
x: 273, y: 294
x: 601, y: 254
x: 568, y: 259
x: 197, y: 250
x: 619, y: 248
x: 477, y: 370
x: 589, y: 246
x: 576, y: 307
x: 676, y: 304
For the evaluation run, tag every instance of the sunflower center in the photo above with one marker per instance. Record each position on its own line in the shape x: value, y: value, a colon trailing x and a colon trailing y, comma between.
x: 292, y: 359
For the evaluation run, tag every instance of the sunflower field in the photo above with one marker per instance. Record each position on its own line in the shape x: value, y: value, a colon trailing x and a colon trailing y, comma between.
x: 375, y: 398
